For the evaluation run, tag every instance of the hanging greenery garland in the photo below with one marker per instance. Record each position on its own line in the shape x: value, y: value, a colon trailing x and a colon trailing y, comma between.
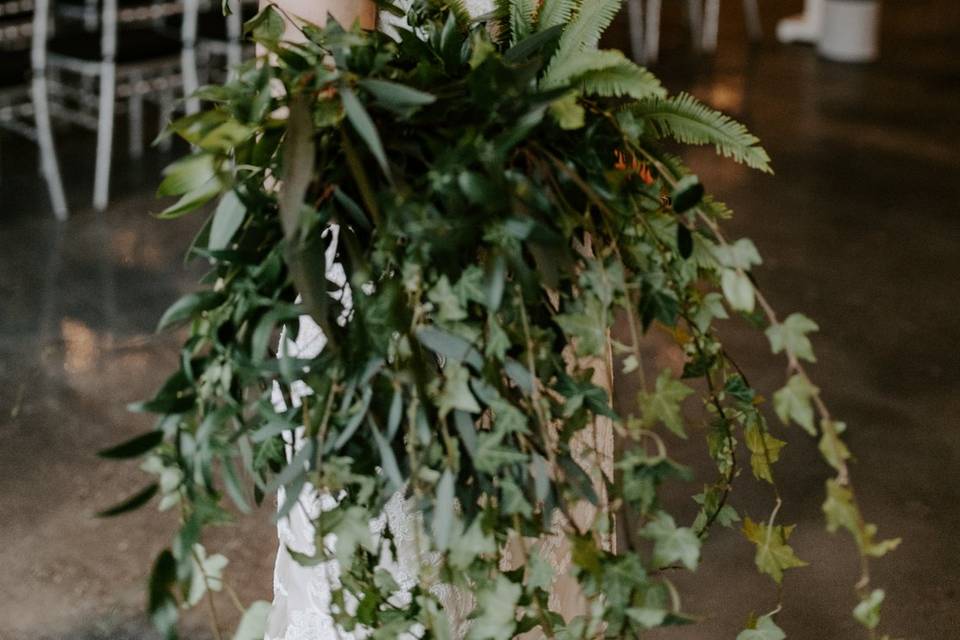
x: 502, y: 194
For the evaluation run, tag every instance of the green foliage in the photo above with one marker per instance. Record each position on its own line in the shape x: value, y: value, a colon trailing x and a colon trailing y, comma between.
x: 501, y: 196
x: 691, y: 122
x: 774, y: 555
x: 764, y: 628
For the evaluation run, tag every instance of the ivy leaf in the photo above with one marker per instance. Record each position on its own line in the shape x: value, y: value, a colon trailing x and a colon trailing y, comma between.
x: 709, y: 501
x: 448, y: 305
x: 466, y: 547
x: 497, y: 340
x: 207, y: 574
x: 774, y: 555
x: 253, y: 624
x: 832, y: 448
x: 710, y: 307
x: 738, y: 290
x: 763, y: 629
x: 497, y: 611
x: 352, y: 531
x: 664, y: 403
x: 456, y: 392
x: 513, y: 500
x: 449, y: 346
x: 795, y: 402
x: 672, y: 543
x: 764, y: 450
x: 567, y: 112
x: 648, y: 617
x: 491, y: 454
x: 539, y: 572
x: 742, y: 254
x: 867, y: 612
x: 791, y: 336
x: 266, y: 27
x: 587, y: 327
x: 841, y: 511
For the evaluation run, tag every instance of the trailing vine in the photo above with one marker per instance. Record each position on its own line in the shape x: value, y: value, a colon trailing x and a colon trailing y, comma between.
x: 501, y: 190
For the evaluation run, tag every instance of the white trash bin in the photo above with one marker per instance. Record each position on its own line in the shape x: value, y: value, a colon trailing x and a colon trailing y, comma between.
x: 850, y: 31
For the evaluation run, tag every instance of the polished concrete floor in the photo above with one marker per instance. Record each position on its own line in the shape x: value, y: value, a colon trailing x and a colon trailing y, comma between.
x: 859, y: 229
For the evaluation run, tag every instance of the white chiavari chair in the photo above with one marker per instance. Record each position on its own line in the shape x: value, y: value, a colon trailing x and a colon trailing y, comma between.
x: 24, y: 108
x: 125, y: 66
x: 703, y: 17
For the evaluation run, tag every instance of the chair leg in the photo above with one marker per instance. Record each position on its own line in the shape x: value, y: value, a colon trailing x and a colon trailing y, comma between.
x: 166, y: 112
x: 48, y: 153
x: 652, y: 36
x: 188, y: 67
x: 711, y: 25
x: 635, y: 20
x: 234, y: 33
x: 101, y: 183
x: 751, y: 12
x: 135, y: 120
x: 695, y: 20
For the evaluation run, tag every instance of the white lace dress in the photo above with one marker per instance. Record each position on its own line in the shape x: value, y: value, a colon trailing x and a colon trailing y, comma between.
x: 302, y: 595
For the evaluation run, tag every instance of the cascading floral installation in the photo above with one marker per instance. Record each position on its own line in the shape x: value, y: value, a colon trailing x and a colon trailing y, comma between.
x: 502, y: 193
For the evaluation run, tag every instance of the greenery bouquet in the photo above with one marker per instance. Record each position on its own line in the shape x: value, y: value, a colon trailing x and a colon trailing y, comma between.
x: 502, y: 191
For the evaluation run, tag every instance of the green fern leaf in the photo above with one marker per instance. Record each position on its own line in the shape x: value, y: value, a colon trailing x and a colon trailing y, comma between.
x: 554, y: 12
x: 521, y: 19
x: 461, y: 13
x: 605, y: 73
x: 690, y: 122
x: 625, y: 79
x: 584, y: 30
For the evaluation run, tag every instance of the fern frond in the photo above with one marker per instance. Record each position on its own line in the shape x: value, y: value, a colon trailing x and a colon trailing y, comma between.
x: 461, y: 13
x: 605, y: 73
x: 689, y: 121
x: 624, y: 79
x: 585, y: 29
x: 554, y: 12
x: 521, y: 19
x: 499, y: 26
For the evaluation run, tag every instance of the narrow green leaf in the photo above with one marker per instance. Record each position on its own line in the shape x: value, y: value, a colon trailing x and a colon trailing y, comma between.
x: 227, y: 218
x: 686, y: 194
x: 134, y: 447
x: 132, y: 503
x: 161, y: 603
x: 396, y: 94
x: 298, y: 161
x: 363, y: 125
x: 443, y: 517
x: 187, y: 175
x: 188, y: 305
